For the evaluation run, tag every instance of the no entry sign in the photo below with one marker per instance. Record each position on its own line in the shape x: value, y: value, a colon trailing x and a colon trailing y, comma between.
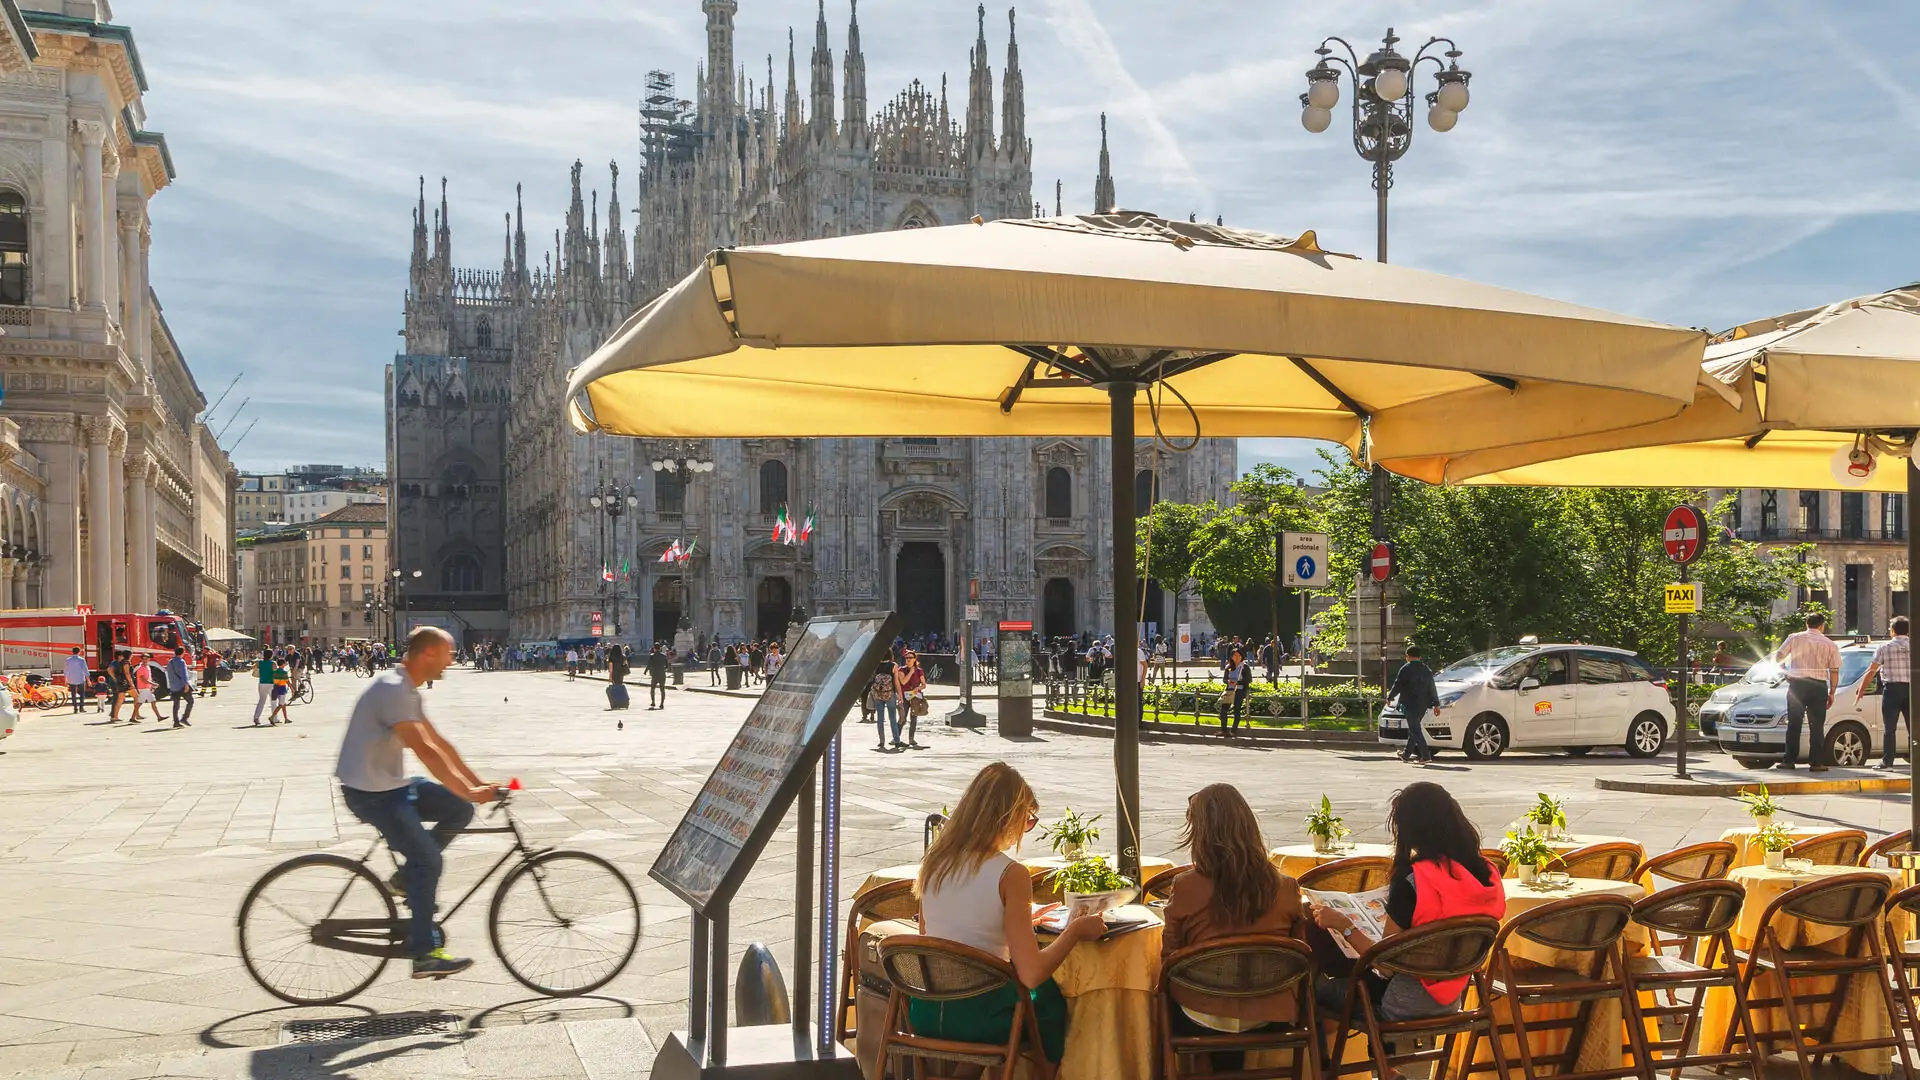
x: 1380, y: 563
x: 1685, y: 534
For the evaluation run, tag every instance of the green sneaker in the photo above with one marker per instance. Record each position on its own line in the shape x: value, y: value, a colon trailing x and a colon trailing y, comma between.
x: 438, y: 965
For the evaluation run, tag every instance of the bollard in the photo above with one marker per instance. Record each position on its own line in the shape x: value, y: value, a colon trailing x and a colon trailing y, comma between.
x: 759, y: 993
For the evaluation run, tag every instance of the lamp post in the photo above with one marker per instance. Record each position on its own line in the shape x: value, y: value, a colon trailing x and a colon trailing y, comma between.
x: 682, y: 459
x: 613, y: 500
x: 401, y: 606
x: 1383, y: 108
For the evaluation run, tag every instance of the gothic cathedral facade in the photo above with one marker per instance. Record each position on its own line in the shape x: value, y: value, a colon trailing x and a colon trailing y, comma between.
x: 505, y: 512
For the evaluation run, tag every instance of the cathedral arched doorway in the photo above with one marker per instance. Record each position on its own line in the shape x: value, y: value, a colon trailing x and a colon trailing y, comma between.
x: 1057, y: 609
x: 920, y: 588
x: 1154, y: 611
x: 773, y: 607
x: 666, y: 609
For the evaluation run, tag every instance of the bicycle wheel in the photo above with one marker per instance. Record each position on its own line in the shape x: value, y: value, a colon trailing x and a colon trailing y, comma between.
x: 281, y: 913
x: 564, y: 923
x: 305, y: 696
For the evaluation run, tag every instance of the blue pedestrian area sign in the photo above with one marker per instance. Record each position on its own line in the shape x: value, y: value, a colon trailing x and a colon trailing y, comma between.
x: 1303, y: 560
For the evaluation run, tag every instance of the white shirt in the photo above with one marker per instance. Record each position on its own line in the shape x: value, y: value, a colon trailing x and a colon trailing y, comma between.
x: 76, y: 671
x: 1809, y: 654
x: 968, y: 909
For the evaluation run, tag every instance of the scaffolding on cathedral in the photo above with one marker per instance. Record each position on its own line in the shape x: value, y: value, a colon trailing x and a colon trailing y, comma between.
x: 668, y: 134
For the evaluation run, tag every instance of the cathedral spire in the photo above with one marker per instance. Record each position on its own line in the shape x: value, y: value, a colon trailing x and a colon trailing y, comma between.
x: 1103, y: 197
x: 1059, y: 209
x: 519, y: 240
x: 1013, y: 117
x: 856, y: 81
x: 792, y: 124
x: 822, y: 119
x: 980, y: 98
x: 720, y: 67
x: 420, y: 238
x: 443, y: 233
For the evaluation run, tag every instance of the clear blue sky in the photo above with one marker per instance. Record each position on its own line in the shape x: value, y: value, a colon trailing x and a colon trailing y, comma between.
x: 1704, y: 162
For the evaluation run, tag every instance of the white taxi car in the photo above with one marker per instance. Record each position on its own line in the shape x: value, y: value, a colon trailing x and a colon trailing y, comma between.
x: 1544, y: 697
x: 1749, y: 718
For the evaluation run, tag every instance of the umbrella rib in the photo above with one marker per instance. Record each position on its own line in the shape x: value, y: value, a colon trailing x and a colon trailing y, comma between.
x: 1326, y: 384
x: 1754, y: 439
x: 1500, y: 381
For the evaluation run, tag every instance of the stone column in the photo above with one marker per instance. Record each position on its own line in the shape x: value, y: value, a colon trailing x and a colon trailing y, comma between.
x: 93, y: 135
x: 109, y: 228
x: 117, y: 521
x: 133, y: 290
x: 12, y: 583
x: 18, y: 591
x: 142, y: 593
x: 101, y: 433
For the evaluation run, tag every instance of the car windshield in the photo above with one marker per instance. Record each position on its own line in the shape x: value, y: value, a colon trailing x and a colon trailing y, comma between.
x: 1853, y: 664
x: 1765, y: 672
x: 1478, y: 666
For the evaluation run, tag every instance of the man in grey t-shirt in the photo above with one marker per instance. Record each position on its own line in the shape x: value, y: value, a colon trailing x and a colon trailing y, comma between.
x: 387, y: 721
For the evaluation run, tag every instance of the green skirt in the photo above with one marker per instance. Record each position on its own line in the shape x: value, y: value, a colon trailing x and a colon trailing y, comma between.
x: 988, y: 1018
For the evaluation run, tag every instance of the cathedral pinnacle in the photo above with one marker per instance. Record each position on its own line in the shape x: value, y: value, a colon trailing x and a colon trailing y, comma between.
x: 856, y: 80
x: 980, y: 98
x: 791, y: 127
x: 1104, y: 201
x: 1013, y: 116
x: 822, y: 119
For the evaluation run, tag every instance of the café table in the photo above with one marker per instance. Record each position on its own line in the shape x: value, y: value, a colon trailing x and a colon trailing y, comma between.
x: 1864, y: 1015
x: 1296, y: 859
x: 1037, y: 865
x: 1748, y: 853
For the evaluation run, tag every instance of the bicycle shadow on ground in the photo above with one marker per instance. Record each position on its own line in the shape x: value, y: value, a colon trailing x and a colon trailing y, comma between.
x: 344, y: 1058
x: 548, y: 1010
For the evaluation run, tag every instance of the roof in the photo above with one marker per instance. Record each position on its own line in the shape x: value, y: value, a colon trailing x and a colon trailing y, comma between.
x: 70, y: 24
x: 365, y: 513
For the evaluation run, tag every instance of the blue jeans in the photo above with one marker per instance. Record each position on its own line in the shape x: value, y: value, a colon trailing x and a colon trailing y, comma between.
x: 1417, y: 737
x: 885, y: 713
x: 1895, y: 704
x: 401, y: 815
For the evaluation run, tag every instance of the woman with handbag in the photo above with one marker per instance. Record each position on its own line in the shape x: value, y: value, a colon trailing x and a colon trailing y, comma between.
x: 913, y: 698
x: 1234, y: 698
x: 882, y: 702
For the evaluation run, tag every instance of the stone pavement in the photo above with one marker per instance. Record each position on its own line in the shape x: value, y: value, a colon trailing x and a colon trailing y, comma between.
x: 126, y: 850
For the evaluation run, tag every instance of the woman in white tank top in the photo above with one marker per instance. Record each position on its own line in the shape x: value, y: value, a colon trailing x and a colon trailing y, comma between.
x: 973, y: 893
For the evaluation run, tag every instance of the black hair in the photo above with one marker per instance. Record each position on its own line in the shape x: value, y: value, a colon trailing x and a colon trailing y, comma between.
x: 1428, y: 824
x: 1900, y: 625
x: 1413, y: 651
x: 1816, y: 620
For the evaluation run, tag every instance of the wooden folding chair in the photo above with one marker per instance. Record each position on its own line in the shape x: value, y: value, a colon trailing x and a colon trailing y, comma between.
x: 1842, y: 847
x: 934, y: 969
x: 1247, y: 968
x: 1160, y: 885
x: 1695, y: 912
x: 1851, y: 903
x: 1886, y: 846
x: 1588, y: 924
x: 894, y: 900
x: 1442, y: 950
x: 1706, y: 861
x: 1615, y: 860
x: 1903, y: 956
x: 1357, y: 873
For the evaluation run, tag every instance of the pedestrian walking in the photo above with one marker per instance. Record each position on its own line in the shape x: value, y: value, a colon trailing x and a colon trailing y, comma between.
x: 210, y: 664
x: 119, y: 681
x: 713, y: 663
x: 1239, y: 679
x: 573, y: 662
x: 883, y: 701
x: 1413, y: 688
x: 263, y: 673
x: 913, y: 699
x: 77, y: 677
x: 1893, y: 661
x: 1812, y: 663
x: 657, y: 677
x: 143, y: 682
x: 179, y: 687
x: 282, y: 691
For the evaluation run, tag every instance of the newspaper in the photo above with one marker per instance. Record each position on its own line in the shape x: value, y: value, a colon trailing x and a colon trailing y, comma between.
x: 1367, y: 910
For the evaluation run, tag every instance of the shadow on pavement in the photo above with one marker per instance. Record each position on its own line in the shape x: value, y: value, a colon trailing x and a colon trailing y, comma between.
x: 236, y: 1032
x: 546, y: 1010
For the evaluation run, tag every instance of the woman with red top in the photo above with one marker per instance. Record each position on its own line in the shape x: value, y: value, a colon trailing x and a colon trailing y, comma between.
x: 1438, y: 873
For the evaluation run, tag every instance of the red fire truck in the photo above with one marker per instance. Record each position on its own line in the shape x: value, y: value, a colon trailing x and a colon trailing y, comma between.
x: 39, y: 640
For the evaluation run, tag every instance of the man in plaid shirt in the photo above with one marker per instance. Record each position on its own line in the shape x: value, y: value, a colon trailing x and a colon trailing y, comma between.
x: 1894, y: 662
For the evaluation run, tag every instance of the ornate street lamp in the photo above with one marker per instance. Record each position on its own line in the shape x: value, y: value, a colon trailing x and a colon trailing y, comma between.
x: 613, y: 500
x: 400, y: 580
x: 682, y: 458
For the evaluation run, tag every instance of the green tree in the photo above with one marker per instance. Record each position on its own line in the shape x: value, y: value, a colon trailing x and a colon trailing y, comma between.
x: 1234, y: 548
x: 1163, y: 548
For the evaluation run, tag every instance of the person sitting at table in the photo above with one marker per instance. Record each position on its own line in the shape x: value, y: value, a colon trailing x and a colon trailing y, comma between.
x: 1438, y: 873
x: 1232, y: 889
x: 972, y: 892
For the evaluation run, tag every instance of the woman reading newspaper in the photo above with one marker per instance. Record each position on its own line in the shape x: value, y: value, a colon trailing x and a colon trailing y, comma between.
x: 1438, y: 873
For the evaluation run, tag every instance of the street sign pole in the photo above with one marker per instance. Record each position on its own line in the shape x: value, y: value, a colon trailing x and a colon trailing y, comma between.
x: 1685, y: 538
x: 1681, y: 711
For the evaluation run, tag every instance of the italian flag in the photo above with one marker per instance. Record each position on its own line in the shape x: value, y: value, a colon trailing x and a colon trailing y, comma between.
x: 605, y: 574
x: 685, y: 554
x: 780, y: 525
x: 806, y: 527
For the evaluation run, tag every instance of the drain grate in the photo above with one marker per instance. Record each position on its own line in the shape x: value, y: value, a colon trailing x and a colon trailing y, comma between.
x: 388, y: 1026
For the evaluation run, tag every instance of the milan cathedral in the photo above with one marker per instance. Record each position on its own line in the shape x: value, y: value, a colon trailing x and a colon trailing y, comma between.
x: 504, y: 510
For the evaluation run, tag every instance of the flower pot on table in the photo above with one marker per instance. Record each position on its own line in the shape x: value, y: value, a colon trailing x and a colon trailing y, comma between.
x: 1527, y: 872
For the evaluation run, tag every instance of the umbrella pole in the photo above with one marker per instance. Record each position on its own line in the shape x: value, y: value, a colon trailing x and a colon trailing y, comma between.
x: 1126, y: 634
x: 1913, y: 579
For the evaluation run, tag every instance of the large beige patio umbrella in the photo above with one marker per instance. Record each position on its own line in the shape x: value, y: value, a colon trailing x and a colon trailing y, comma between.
x: 1111, y: 324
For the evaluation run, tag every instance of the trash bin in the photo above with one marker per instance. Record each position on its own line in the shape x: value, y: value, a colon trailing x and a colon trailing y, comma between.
x: 733, y: 676
x: 679, y: 676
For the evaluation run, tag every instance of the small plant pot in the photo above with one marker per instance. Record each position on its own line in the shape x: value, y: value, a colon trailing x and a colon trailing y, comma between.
x: 1325, y: 845
x: 1776, y: 860
x: 1527, y: 872
x: 1109, y: 900
x: 1073, y: 852
x: 1761, y: 821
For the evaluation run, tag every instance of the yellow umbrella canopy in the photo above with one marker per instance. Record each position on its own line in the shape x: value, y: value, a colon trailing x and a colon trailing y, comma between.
x: 1781, y: 403
x: 1055, y: 326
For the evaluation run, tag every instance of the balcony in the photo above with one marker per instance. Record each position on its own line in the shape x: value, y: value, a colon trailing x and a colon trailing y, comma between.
x: 1775, y: 533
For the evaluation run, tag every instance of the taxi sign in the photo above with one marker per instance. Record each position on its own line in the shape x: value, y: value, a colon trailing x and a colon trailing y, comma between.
x: 1683, y: 598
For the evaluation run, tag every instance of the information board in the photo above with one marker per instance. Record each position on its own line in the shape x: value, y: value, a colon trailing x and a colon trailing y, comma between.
x: 743, y: 802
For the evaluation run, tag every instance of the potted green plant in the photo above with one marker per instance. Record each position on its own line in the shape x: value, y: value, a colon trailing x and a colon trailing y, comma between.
x: 1091, y: 878
x: 1325, y: 827
x: 1774, y: 840
x: 1071, y: 834
x: 1527, y: 851
x: 1550, y: 815
x: 1761, y: 806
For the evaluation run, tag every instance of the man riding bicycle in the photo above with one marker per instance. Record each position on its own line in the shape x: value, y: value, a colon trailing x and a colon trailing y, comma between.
x: 388, y: 720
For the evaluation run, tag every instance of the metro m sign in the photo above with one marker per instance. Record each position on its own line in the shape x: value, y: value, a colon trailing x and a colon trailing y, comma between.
x: 1685, y: 535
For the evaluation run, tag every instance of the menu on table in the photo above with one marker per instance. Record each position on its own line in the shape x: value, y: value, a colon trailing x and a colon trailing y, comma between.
x: 742, y: 803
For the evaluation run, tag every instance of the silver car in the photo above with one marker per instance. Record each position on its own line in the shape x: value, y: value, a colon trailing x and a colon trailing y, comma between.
x: 1749, y: 718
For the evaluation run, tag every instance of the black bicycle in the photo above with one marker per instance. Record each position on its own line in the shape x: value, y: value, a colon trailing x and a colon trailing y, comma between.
x: 318, y: 929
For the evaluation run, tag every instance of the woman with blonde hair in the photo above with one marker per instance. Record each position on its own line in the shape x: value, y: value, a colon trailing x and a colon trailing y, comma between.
x: 1232, y: 889
x: 972, y: 892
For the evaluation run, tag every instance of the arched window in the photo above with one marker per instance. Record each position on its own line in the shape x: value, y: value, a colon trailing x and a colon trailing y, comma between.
x: 1059, y: 493
x: 461, y: 573
x: 773, y: 486
x: 483, y: 334
x: 14, y: 281
x: 1145, y: 492
x: 669, y: 492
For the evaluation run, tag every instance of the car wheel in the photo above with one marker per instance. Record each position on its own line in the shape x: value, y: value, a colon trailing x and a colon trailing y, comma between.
x: 1486, y: 737
x: 1847, y: 746
x: 1754, y: 762
x: 1579, y: 751
x: 1646, y: 735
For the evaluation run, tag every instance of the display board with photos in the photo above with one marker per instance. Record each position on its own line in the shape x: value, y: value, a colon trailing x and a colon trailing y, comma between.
x: 743, y: 802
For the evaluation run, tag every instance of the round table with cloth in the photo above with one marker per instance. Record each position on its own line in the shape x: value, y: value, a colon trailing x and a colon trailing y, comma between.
x: 1296, y: 859
x: 1605, y: 1034
x: 1863, y: 1017
x: 1037, y: 865
x: 1747, y: 853
x: 1109, y: 990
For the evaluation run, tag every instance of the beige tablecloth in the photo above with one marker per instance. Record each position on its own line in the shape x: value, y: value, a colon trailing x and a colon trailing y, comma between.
x: 1296, y: 859
x: 1748, y: 853
x: 1038, y: 865
x: 1109, y: 990
x: 1864, y: 1015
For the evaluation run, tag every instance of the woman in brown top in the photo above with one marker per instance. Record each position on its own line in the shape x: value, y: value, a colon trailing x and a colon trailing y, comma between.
x: 1232, y: 889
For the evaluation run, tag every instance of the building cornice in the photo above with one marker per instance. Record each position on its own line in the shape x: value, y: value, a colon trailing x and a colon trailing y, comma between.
x: 99, y: 31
